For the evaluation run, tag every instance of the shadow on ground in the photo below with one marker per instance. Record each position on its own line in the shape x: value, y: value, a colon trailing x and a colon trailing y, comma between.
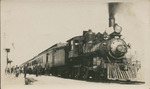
x: 116, y: 81
x: 111, y: 81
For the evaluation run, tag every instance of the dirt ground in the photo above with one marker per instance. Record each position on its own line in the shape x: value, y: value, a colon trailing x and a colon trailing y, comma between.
x: 9, y: 81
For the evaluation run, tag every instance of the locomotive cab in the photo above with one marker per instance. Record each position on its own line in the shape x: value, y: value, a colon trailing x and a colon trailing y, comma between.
x: 75, y: 46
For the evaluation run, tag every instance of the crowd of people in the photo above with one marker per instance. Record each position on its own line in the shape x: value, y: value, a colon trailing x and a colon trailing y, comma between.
x: 17, y: 70
x: 36, y: 69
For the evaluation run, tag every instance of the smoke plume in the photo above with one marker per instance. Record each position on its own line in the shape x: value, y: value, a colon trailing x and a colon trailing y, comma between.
x: 112, y: 8
x: 116, y: 7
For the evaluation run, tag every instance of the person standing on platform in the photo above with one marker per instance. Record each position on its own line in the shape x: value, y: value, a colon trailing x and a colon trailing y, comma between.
x: 47, y: 68
x: 38, y: 69
x: 17, y: 71
x: 12, y: 70
x: 25, y: 71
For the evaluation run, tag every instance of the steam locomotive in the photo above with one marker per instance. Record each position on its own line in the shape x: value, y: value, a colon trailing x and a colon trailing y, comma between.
x: 97, y: 56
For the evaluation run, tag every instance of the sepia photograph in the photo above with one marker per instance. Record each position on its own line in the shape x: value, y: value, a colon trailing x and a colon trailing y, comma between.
x: 75, y: 44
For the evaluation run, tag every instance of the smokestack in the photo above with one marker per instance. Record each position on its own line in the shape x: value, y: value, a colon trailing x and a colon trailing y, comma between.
x: 111, y: 21
x: 112, y: 8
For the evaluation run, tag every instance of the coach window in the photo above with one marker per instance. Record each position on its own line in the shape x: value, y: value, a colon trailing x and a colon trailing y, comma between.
x: 69, y: 46
x: 42, y: 59
x: 72, y: 45
x: 47, y: 57
x: 76, y: 43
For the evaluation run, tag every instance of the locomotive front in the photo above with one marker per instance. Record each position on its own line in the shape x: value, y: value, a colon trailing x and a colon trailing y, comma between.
x: 114, y: 47
x: 108, y: 52
x: 114, y: 50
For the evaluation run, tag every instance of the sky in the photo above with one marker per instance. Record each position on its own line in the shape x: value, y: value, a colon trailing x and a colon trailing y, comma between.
x: 30, y: 26
x: 33, y: 26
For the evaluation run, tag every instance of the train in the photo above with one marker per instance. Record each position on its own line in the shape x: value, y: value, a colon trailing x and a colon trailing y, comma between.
x: 90, y: 55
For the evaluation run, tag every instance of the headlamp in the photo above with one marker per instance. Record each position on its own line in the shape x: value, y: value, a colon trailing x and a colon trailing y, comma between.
x: 117, y: 28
